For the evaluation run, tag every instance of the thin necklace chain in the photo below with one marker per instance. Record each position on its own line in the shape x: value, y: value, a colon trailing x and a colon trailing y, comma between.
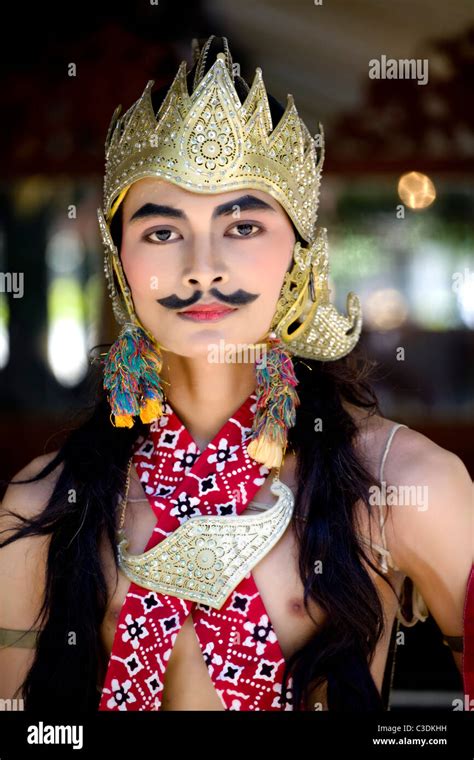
x: 125, y: 498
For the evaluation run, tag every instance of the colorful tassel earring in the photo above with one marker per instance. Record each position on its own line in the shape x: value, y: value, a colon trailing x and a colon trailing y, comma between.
x: 131, y: 377
x: 276, y: 404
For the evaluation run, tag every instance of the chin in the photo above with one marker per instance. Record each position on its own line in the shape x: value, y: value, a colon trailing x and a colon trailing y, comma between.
x: 211, y: 343
x: 208, y: 342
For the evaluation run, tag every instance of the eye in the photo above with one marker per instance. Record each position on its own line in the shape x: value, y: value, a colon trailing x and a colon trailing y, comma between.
x: 246, y: 226
x: 165, y: 231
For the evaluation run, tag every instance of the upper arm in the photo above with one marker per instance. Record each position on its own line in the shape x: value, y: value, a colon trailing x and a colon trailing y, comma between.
x: 431, y: 540
x: 22, y: 570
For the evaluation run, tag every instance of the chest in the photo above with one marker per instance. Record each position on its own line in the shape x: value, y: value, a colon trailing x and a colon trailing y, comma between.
x: 277, y: 578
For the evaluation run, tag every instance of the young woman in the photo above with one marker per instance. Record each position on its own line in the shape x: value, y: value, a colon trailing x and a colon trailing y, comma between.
x: 215, y: 535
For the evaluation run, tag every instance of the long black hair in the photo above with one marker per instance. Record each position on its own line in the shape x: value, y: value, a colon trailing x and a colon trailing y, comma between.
x: 82, y: 510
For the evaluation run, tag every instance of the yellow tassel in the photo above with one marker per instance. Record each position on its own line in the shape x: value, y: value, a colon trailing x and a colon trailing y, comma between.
x: 151, y: 410
x: 123, y: 420
x: 267, y: 452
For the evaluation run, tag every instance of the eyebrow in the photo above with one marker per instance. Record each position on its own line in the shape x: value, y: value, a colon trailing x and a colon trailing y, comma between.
x: 245, y: 203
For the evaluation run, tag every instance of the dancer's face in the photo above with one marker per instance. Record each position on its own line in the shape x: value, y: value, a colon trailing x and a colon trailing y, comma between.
x: 181, y: 250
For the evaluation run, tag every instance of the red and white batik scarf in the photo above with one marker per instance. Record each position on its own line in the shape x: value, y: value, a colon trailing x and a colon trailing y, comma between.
x: 238, y: 642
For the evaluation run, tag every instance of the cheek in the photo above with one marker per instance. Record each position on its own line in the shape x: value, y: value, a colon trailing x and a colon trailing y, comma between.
x: 276, y: 268
x: 269, y: 272
x: 145, y: 274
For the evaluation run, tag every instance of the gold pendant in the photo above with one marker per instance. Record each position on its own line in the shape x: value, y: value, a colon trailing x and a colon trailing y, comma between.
x: 207, y: 556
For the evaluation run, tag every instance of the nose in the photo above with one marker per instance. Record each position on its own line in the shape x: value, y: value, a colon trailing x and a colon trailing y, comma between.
x: 204, y: 269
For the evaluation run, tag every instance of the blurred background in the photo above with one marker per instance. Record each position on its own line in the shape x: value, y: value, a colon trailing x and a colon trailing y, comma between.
x: 397, y: 199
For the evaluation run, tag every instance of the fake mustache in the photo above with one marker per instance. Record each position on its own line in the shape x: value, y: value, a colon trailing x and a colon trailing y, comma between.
x: 238, y: 298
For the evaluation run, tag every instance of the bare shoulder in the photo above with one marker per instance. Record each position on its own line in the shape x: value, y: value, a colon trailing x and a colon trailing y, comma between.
x: 430, y: 497
x: 23, y: 560
x: 415, y: 460
x: 428, y: 488
x: 29, y: 499
x: 373, y: 432
x: 411, y: 454
x: 429, y: 514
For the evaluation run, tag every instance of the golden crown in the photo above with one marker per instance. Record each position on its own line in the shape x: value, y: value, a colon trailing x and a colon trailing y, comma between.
x: 209, y: 141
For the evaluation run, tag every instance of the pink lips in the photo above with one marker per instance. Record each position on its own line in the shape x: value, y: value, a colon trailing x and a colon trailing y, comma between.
x: 206, y: 312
